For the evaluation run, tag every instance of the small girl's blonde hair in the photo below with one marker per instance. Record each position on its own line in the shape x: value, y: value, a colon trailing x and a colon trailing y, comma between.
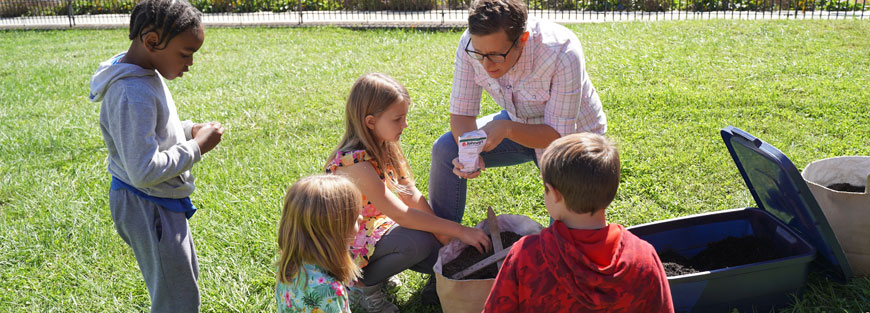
x: 318, y: 226
x: 372, y: 94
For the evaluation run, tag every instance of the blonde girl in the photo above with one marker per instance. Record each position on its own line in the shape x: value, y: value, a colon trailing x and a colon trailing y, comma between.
x: 320, y: 218
x: 370, y: 156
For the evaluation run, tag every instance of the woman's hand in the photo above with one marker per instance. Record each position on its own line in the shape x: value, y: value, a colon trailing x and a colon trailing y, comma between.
x: 496, y: 132
x: 457, y: 168
x: 476, y: 238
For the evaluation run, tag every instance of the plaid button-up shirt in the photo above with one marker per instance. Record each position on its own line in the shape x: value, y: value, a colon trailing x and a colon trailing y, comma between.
x: 548, y: 84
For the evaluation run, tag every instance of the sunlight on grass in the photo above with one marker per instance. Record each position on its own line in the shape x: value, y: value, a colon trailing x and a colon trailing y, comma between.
x: 667, y: 89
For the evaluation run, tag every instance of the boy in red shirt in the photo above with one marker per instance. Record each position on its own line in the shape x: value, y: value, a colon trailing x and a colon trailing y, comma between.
x: 580, y: 263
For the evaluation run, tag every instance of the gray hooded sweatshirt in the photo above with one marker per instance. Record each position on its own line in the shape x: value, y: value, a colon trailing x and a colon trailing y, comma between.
x: 149, y: 148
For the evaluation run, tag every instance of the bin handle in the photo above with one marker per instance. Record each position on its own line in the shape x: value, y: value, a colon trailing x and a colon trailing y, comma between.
x: 867, y: 185
x: 747, y: 136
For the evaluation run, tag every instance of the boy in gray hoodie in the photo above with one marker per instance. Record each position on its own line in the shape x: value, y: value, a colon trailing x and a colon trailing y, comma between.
x: 151, y: 151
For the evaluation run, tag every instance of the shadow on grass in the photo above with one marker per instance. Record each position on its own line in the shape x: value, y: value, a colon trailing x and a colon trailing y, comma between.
x: 415, y: 303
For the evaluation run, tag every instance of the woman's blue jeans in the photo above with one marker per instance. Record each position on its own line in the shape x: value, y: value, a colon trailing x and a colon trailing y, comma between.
x: 447, y: 192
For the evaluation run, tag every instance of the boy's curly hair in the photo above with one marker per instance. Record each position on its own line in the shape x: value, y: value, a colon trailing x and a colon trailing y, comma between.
x: 489, y: 16
x: 167, y: 18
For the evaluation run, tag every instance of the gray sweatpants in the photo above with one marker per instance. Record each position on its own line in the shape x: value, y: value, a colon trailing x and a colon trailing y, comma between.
x: 400, y: 249
x: 163, y: 247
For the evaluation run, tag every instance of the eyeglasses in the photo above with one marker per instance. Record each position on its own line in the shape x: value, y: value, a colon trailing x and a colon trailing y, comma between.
x: 493, y: 57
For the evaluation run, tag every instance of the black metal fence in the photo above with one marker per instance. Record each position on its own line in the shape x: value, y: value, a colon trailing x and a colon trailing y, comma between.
x: 113, y: 13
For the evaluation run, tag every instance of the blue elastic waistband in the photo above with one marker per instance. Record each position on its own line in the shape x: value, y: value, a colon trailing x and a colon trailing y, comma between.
x: 175, y: 205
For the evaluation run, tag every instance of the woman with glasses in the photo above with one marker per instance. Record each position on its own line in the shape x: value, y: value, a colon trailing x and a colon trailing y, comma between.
x: 535, y: 71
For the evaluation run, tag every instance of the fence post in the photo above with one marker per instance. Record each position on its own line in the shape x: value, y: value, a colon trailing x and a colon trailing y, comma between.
x: 444, y: 7
x: 299, y: 9
x: 70, y: 15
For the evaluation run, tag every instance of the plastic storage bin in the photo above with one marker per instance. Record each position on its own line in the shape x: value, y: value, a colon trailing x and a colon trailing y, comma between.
x: 787, y: 214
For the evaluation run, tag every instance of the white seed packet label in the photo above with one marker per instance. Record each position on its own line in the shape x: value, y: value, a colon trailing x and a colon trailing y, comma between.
x: 470, y: 146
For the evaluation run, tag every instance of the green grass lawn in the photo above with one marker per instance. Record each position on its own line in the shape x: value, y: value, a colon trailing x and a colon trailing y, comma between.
x: 667, y: 89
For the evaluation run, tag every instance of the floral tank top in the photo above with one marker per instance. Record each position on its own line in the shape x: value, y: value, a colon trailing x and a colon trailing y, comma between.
x: 320, y: 293
x: 374, y: 224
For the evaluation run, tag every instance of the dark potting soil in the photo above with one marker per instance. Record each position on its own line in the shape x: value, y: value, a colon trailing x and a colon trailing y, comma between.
x: 729, y: 252
x: 469, y: 256
x: 847, y: 187
x: 675, y: 264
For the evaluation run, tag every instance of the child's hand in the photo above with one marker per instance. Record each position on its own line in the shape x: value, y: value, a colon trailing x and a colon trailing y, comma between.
x: 207, y: 135
x: 196, y: 127
x: 457, y: 167
x: 476, y: 238
x: 443, y: 239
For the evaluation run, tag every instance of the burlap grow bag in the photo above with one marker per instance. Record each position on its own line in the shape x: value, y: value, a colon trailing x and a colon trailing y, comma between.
x: 847, y: 212
x: 470, y: 295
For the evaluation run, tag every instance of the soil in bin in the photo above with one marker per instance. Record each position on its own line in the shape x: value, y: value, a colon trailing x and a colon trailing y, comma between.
x: 729, y: 252
x: 846, y: 187
x: 469, y: 256
x: 676, y: 264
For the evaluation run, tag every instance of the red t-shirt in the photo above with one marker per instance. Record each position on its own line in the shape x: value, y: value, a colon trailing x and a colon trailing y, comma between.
x: 574, y: 270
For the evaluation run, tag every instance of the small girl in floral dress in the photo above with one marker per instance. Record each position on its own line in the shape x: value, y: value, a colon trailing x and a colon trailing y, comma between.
x: 320, y: 219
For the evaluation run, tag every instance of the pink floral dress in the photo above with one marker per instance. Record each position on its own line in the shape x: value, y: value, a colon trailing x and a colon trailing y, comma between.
x: 374, y: 224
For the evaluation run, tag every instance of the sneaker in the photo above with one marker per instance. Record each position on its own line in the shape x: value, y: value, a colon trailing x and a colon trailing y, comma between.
x: 429, y: 294
x: 393, y: 282
x: 372, y: 299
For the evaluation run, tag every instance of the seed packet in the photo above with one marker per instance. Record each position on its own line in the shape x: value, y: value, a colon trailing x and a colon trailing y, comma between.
x: 470, y: 146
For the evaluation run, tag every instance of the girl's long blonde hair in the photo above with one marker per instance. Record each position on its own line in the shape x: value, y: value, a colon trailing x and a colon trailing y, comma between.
x: 372, y: 94
x: 318, y: 226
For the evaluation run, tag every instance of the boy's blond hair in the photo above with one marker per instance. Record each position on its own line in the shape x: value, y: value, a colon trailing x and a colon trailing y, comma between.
x: 584, y: 168
x: 317, y: 227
